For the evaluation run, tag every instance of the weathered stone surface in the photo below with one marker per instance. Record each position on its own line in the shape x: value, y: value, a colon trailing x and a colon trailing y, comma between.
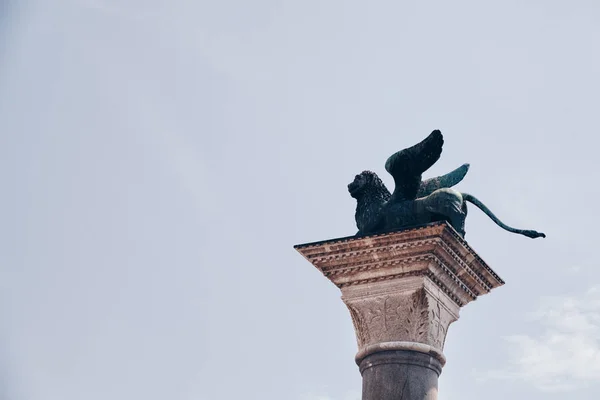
x: 403, y: 289
x: 405, y: 286
x: 402, y: 316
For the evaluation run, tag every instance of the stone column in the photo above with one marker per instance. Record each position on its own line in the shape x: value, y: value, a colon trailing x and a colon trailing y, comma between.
x: 403, y: 290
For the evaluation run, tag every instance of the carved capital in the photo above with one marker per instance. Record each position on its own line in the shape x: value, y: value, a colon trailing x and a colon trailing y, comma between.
x: 403, y: 287
x: 399, y: 316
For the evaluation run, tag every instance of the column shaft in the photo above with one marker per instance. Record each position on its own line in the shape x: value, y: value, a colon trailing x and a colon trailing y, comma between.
x: 400, y: 375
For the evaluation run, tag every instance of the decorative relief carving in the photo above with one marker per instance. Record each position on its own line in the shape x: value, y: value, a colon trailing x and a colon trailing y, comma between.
x: 360, y: 328
x: 363, y: 259
x: 391, y: 318
x: 403, y: 286
x: 413, y: 317
x: 437, y: 330
x: 382, y: 262
x: 381, y: 278
x: 440, y: 319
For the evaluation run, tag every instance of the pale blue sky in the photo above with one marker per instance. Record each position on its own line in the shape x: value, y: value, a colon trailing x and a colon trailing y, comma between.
x: 159, y: 159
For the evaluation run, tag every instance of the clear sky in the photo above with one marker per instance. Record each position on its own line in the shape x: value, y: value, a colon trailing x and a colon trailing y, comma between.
x: 159, y: 159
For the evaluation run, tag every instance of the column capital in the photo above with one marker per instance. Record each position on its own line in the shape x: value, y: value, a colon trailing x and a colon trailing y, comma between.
x: 403, y: 288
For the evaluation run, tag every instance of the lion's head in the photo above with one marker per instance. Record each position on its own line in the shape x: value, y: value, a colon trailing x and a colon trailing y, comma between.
x: 371, y: 195
x: 367, y: 183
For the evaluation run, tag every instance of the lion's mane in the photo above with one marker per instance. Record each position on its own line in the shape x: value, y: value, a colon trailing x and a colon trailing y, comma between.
x: 371, y: 199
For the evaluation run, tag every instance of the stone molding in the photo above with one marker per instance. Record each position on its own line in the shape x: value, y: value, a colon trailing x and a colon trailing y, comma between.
x: 359, y: 260
x: 395, y: 346
x: 401, y: 357
x: 403, y: 287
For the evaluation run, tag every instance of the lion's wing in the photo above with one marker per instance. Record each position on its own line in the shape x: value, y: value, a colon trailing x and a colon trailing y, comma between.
x: 445, y: 181
x: 406, y: 166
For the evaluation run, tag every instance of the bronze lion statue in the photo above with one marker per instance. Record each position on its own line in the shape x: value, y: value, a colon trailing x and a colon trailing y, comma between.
x: 416, y: 202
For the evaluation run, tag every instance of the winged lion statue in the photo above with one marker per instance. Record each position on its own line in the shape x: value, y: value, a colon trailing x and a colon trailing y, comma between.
x: 415, y: 201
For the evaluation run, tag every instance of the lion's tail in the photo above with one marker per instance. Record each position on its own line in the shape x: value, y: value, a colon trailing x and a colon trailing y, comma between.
x: 529, y: 233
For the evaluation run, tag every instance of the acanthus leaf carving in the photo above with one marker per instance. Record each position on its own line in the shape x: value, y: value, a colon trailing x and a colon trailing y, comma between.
x: 391, y: 317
